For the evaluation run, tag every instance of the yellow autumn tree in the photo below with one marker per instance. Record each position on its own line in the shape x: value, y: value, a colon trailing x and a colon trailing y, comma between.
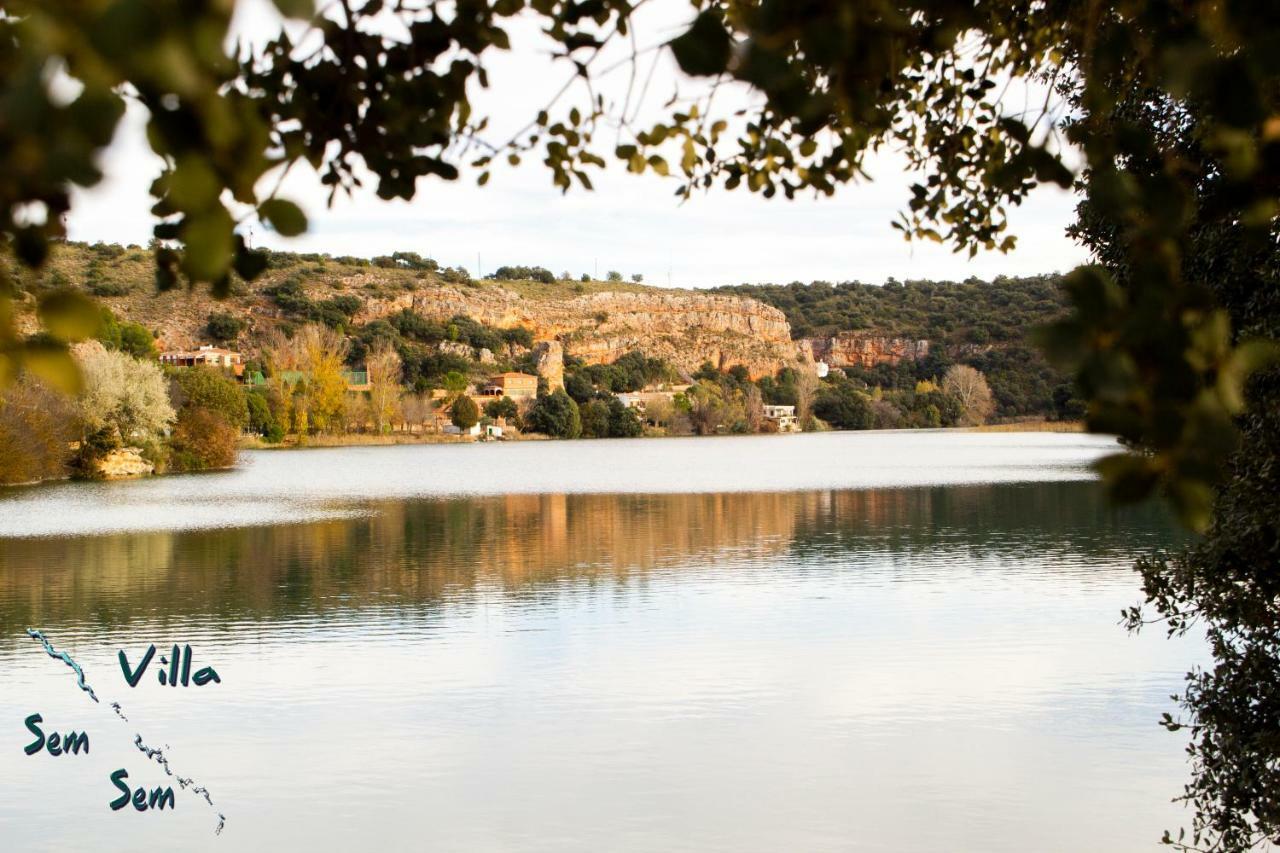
x: 383, y: 366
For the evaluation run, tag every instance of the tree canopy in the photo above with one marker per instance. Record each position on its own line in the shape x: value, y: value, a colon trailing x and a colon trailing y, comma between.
x: 1171, y: 106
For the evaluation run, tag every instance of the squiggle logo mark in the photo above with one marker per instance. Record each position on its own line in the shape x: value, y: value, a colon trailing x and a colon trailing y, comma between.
x: 65, y: 658
x: 155, y: 754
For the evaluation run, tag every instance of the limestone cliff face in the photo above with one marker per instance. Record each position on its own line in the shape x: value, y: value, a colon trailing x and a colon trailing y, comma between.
x: 849, y: 349
x: 685, y: 328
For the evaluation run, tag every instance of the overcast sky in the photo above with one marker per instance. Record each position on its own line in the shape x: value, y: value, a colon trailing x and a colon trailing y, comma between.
x: 633, y: 224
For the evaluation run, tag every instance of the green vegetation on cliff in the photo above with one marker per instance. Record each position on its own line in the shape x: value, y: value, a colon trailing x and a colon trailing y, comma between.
x: 984, y: 324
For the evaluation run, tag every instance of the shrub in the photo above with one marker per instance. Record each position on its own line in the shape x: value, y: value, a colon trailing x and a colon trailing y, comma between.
x: 504, y: 408
x: 623, y: 421
x: 594, y: 416
x: 202, y: 440
x: 224, y: 327
x: 123, y: 396
x: 464, y: 413
x: 261, y: 419
x: 843, y: 406
x: 37, y: 426
x: 211, y: 389
x: 555, y: 415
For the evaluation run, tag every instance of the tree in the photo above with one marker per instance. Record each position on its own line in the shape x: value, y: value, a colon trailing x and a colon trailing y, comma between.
x: 262, y: 420
x: 613, y: 275
x: 455, y: 382
x: 969, y: 388
x: 131, y: 338
x: 383, y: 367
x: 556, y: 415
x: 594, y: 415
x: 316, y: 352
x: 37, y: 426
x: 202, y: 440
x: 505, y: 408
x: 1162, y: 358
x: 637, y: 277
x: 623, y: 420
x: 464, y: 413
x: 210, y: 389
x: 224, y: 327
x: 843, y: 406
x: 123, y: 398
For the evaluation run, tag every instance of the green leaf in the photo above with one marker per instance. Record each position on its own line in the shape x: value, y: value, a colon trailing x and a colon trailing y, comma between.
x: 296, y: 8
x: 704, y: 49
x: 70, y: 316
x: 284, y: 216
x: 210, y: 245
x: 52, y: 362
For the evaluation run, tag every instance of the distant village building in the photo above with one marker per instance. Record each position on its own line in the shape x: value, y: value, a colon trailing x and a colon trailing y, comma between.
x: 517, y: 386
x: 356, y: 380
x: 205, y: 355
x: 783, y: 416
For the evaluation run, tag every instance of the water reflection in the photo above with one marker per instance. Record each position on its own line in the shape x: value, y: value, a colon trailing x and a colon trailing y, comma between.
x: 425, y: 552
x: 895, y: 669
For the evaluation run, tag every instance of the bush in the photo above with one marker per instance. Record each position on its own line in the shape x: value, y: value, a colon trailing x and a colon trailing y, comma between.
x: 37, y: 426
x: 224, y: 327
x: 464, y: 413
x: 202, y: 440
x: 504, y: 408
x: 129, y: 338
x: 555, y: 415
x: 594, y: 416
x: 623, y: 421
x: 843, y: 406
x: 261, y: 420
x: 209, y: 388
x: 122, y: 396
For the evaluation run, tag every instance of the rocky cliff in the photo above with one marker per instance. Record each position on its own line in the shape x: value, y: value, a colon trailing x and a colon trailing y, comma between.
x: 682, y: 327
x: 850, y: 349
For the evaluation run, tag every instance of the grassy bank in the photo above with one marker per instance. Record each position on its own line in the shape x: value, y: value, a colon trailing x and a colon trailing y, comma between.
x: 1033, y: 426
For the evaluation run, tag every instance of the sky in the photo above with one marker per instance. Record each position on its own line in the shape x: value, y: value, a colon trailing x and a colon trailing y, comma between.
x: 632, y: 224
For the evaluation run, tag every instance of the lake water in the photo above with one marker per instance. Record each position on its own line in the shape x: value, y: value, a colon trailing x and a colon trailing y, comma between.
x: 852, y: 641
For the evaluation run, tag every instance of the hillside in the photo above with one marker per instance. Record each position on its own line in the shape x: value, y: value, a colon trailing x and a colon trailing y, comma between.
x: 441, y: 319
x: 869, y: 329
x: 596, y: 322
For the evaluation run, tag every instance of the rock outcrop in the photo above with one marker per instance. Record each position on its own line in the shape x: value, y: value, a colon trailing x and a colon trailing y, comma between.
x: 124, y: 463
x: 549, y: 360
x: 851, y: 349
x: 684, y: 328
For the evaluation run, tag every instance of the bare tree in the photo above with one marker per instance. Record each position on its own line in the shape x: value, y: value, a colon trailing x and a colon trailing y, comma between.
x: 970, y: 389
x: 806, y: 390
x: 383, y: 367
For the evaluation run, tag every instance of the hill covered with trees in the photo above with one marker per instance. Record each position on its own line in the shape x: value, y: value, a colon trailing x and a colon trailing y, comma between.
x: 984, y: 324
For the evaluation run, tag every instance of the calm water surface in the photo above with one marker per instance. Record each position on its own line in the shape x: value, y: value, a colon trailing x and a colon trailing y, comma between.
x: 877, y: 641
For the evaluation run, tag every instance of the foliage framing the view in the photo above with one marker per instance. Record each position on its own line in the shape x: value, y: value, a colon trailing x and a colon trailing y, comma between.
x: 1160, y: 354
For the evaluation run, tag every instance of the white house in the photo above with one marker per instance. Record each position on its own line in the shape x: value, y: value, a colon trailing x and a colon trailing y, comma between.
x: 783, y: 416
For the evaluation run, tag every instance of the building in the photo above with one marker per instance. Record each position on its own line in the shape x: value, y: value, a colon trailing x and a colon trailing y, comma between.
x: 355, y: 380
x: 783, y: 416
x: 205, y: 355
x: 517, y: 386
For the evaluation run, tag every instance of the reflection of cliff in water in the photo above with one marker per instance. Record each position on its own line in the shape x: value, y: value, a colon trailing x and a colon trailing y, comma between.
x: 433, y: 552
